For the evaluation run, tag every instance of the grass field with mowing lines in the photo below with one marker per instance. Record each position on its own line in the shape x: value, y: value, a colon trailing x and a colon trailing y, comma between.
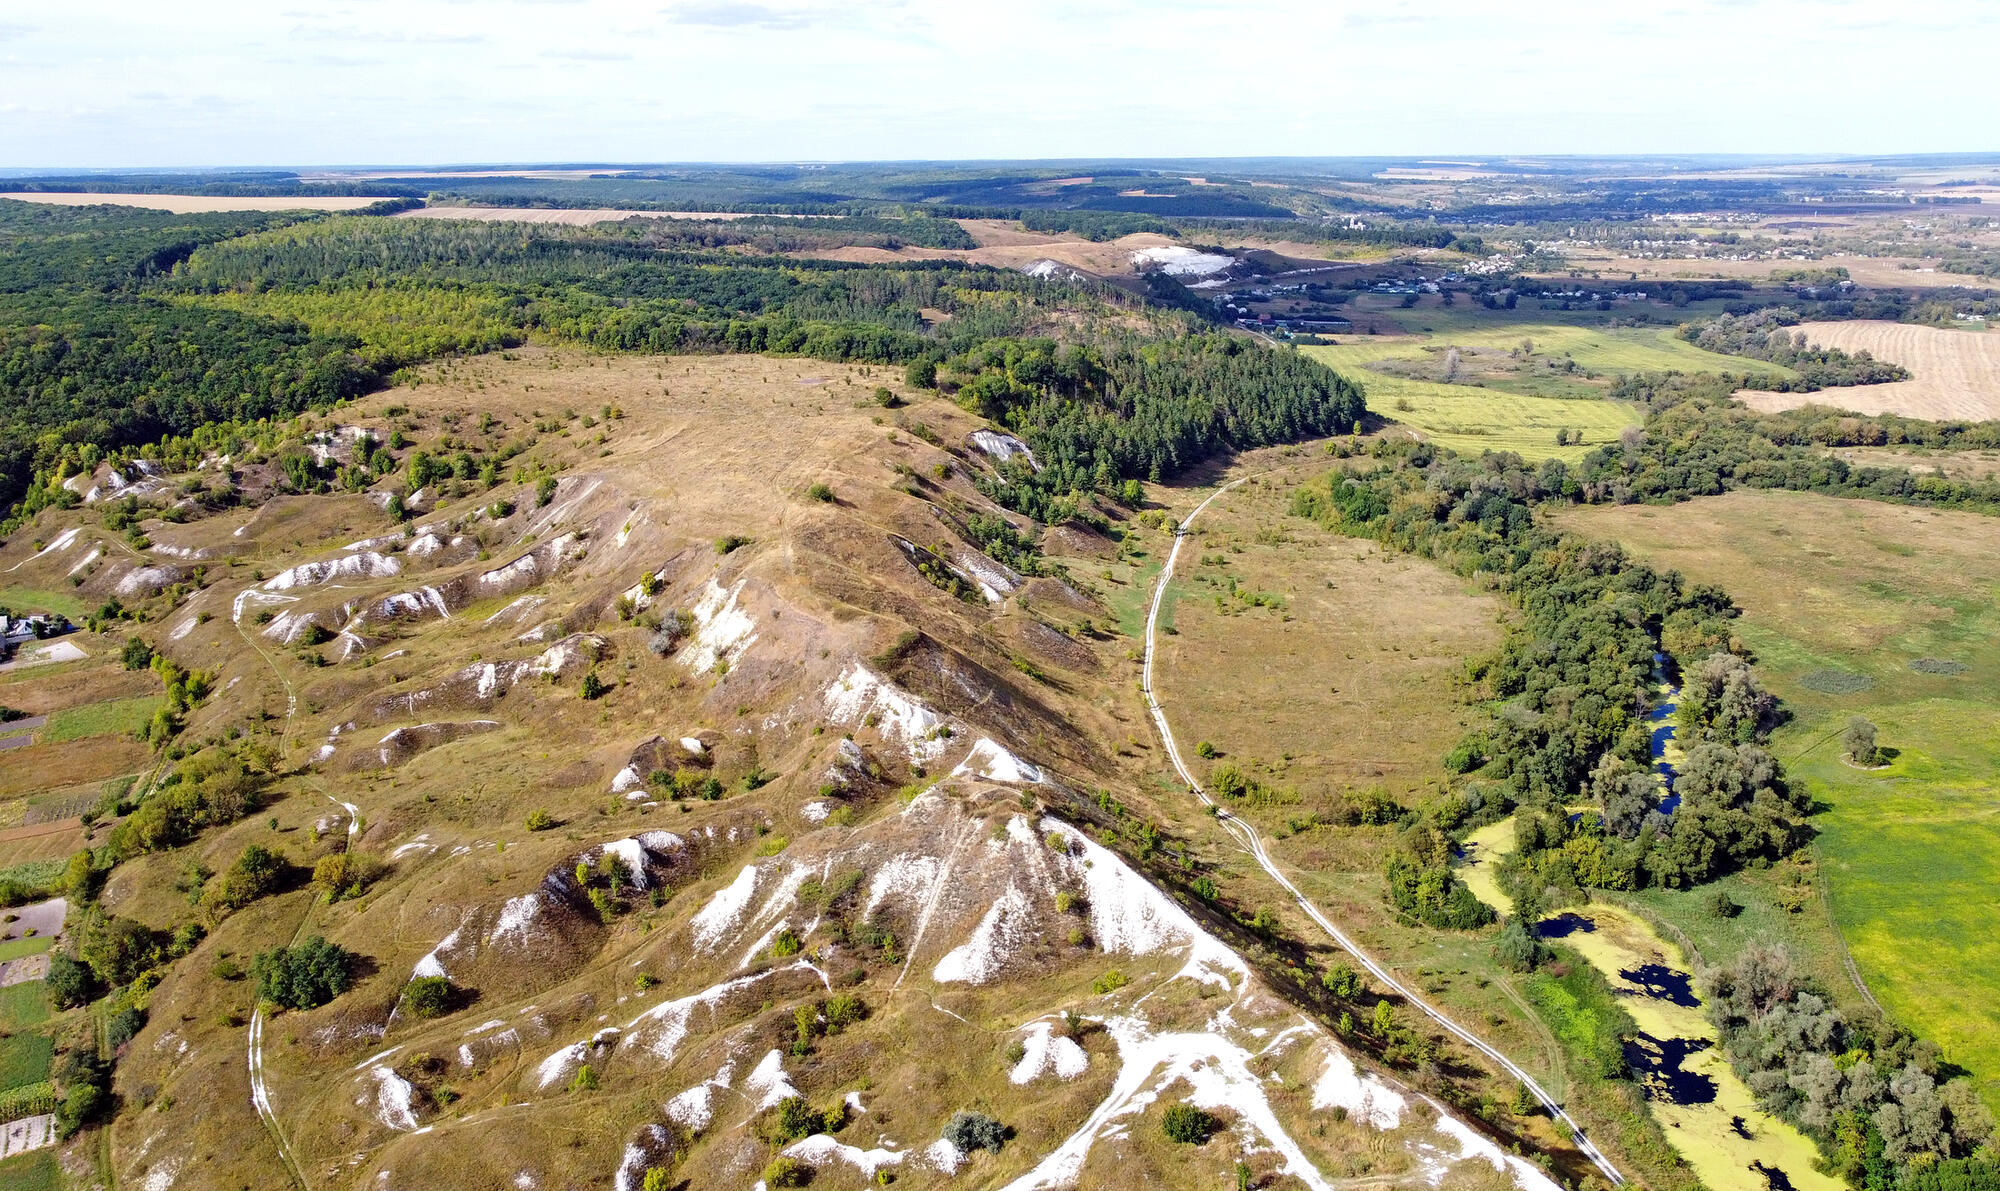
x: 25, y: 1059
x: 1472, y: 418
x: 1840, y: 595
x: 38, y: 1171
x: 23, y: 1005
x: 116, y: 717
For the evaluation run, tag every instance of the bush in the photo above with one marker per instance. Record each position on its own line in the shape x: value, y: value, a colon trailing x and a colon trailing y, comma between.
x: 255, y: 873
x: 124, y: 1026
x: 820, y: 493
x: 137, y: 655
x: 842, y: 1011
x: 540, y: 820
x: 1342, y: 981
x: 1186, y: 1123
x: 428, y: 996
x: 593, y: 686
x: 1110, y: 982
x: 1205, y: 750
x: 1859, y: 740
x: 84, y: 1104
x: 970, y: 1131
x: 1517, y: 948
x: 787, y: 1172
x: 302, y: 977
x: 70, y: 982
x: 794, y: 1118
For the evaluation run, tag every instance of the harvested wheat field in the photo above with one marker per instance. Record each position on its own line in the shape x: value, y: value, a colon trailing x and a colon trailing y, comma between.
x: 1955, y: 374
x: 193, y: 204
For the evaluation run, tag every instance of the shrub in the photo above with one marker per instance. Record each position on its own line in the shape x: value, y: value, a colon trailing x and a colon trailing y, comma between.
x: 302, y: 977
x: 787, y: 943
x: 842, y: 1011
x: 730, y: 543
x: 1186, y: 1123
x: 428, y: 996
x: 70, y: 983
x: 137, y: 655
x: 540, y: 820
x: 1110, y: 982
x: 786, y: 1172
x: 1859, y: 740
x: 820, y: 493
x: 1205, y: 750
x: 1342, y: 981
x: 1517, y: 948
x: 593, y: 686
x: 85, y: 1102
x: 970, y: 1131
x: 586, y: 1079
x: 794, y: 1118
x: 124, y: 1026
x: 253, y: 874
x: 545, y: 490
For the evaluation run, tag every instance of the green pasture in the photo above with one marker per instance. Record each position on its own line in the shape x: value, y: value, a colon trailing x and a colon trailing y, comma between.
x: 1518, y: 415
x: 1857, y: 608
x: 113, y: 717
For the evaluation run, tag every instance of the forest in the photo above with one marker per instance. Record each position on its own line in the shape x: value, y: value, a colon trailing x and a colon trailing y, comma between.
x: 122, y: 327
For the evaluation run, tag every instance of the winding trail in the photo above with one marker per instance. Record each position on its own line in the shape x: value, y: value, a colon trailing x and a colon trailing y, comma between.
x: 1254, y: 845
x: 260, y: 1094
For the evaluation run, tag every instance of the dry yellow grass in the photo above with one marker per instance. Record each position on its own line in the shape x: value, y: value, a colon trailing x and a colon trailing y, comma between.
x: 190, y: 204
x: 1956, y: 374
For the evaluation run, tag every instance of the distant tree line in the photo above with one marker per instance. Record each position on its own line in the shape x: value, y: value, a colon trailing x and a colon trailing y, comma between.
x: 1698, y: 442
x: 1762, y: 336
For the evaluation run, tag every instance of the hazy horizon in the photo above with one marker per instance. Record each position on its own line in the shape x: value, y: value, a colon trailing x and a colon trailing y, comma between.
x: 229, y: 84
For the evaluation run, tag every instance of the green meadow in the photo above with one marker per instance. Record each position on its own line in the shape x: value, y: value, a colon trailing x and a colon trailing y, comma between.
x: 1534, y: 377
x: 1858, y: 608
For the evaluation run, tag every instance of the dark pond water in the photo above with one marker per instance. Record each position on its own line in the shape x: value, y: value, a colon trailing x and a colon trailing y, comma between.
x: 1563, y: 925
x: 1660, y: 1066
x: 1662, y: 719
x: 1663, y: 983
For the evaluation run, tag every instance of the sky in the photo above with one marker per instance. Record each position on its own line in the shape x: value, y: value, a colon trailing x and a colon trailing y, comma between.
x: 211, y: 83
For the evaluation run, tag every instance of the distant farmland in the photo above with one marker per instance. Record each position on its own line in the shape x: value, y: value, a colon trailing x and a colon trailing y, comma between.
x: 1956, y: 374
x: 190, y: 204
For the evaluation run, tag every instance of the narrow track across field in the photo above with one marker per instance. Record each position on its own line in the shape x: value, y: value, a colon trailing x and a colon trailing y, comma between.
x: 1254, y: 845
